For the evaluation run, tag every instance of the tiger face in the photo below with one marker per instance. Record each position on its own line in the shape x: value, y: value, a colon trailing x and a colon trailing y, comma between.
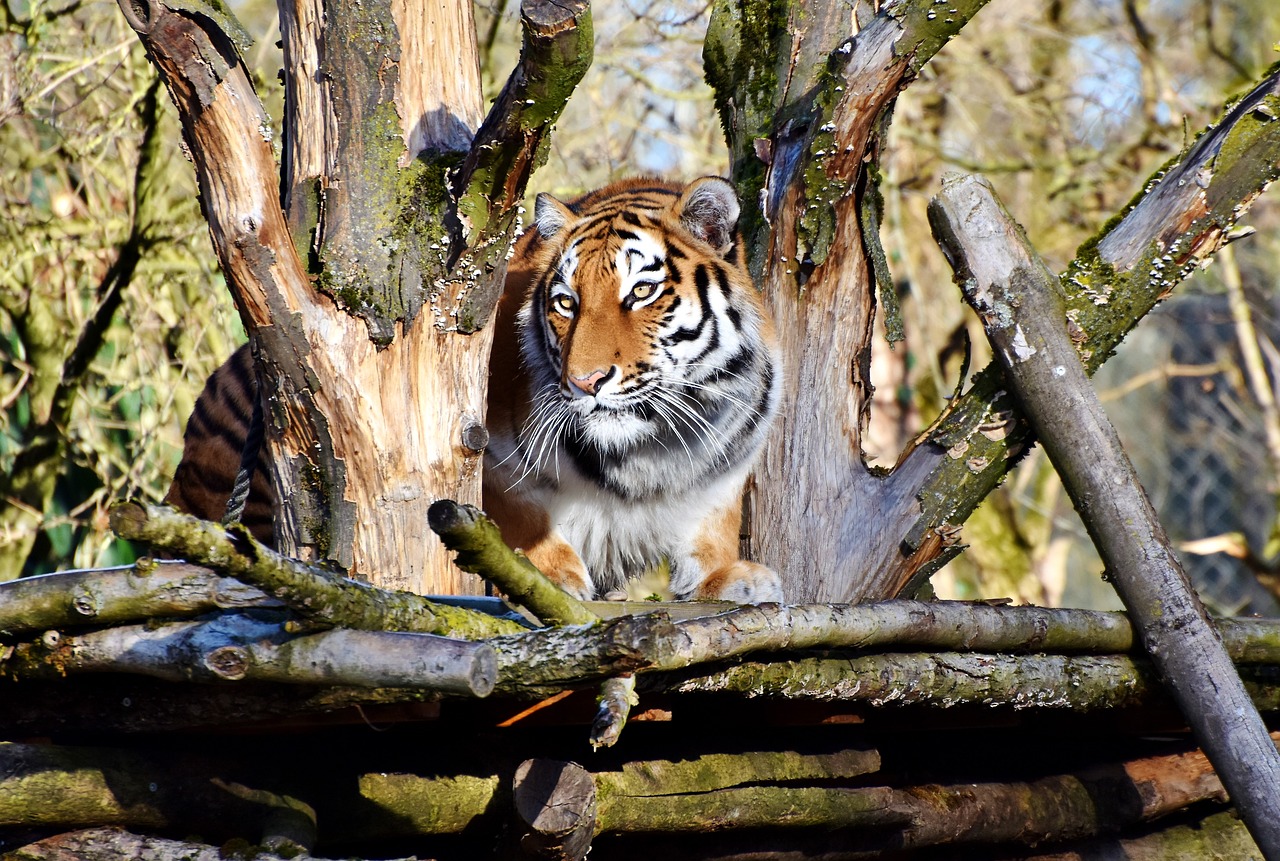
x: 647, y: 329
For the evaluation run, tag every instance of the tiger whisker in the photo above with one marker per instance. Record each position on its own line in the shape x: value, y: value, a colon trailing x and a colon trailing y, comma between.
x: 669, y: 415
x: 696, y: 422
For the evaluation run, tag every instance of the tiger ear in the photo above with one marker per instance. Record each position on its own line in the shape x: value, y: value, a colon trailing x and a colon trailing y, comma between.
x: 709, y: 210
x: 550, y: 215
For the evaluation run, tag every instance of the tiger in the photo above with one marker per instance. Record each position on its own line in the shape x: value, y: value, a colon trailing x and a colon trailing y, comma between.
x: 634, y: 375
x: 644, y: 375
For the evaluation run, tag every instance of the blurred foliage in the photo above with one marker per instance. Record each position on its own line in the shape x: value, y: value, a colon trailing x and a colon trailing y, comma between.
x: 1067, y: 105
x: 73, y: 89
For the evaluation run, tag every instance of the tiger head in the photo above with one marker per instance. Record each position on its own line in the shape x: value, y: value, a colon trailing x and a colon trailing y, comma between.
x: 644, y: 325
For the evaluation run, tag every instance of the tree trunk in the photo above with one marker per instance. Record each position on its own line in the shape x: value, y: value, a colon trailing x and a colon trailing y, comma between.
x: 367, y: 295
x: 804, y: 121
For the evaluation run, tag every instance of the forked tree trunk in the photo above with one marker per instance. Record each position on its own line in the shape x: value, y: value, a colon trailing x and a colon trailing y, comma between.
x: 373, y: 366
x: 366, y: 290
x: 805, y: 92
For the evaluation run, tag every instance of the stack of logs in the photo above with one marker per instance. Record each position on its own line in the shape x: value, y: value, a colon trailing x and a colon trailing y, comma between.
x: 281, y: 710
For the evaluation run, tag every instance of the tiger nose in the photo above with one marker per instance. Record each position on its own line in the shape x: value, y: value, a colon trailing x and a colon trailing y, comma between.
x: 591, y: 383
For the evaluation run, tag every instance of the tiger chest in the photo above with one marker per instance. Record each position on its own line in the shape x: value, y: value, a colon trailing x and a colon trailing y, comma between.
x: 618, y: 539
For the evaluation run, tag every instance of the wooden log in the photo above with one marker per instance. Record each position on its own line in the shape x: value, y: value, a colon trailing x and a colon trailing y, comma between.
x: 542, y: 662
x: 710, y: 771
x: 1219, y: 835
x: 116, y: 844
x: 1019, y: 301
x: 752, y: 807
x: 63, y: 787
x: 412, y: 804
x: 556, y: 806
x: 947, y: 679
x: 113, y: 596
x: 617, y: 696
x: 236, y: 647
x: 312, y: 592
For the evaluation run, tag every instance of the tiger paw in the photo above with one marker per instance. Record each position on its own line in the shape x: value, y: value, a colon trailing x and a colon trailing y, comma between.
x: 743, y: 583
x: 575, y: 585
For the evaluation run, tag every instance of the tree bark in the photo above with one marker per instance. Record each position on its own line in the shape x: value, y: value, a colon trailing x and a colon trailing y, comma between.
x: 1018, y: 300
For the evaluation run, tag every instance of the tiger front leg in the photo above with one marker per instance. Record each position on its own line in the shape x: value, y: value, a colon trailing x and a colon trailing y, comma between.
x: 526, y: 527
x: 712, y: 571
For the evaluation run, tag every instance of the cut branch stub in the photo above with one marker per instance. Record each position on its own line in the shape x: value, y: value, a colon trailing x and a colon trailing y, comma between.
x: 475, y: 538
x: 556, y: 803
x: 1021, y: 307
x: 490, y: 185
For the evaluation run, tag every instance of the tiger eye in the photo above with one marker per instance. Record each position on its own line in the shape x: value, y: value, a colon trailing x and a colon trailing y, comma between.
x: 564, y: 304
x: 643, y: 290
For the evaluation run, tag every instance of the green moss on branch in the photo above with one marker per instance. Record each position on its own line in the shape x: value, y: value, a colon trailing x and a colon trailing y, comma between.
x: 313, y: 593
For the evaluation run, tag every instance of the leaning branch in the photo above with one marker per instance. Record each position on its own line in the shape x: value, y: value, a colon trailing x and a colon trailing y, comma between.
x: 1186, y: 213
x: 313, y: 593
x: 1017, y: 297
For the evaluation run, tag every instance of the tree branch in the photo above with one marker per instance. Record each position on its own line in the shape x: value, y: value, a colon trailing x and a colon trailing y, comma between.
x: 481, y: 550
x: 1186, y: 212
x: 239, y: 647
x: 1017, y: 298
x: 513, y: 142
x: 475, y: 538
x: 194, y: 47
x: 313, y: 593
x: 112, y: 597
x: 947, y: 679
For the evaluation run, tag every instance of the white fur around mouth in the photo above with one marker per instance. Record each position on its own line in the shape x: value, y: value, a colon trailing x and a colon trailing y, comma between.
x: 615, y: 429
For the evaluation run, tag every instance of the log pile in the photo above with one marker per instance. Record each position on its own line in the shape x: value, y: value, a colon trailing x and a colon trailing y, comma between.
x: 244, y: 700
